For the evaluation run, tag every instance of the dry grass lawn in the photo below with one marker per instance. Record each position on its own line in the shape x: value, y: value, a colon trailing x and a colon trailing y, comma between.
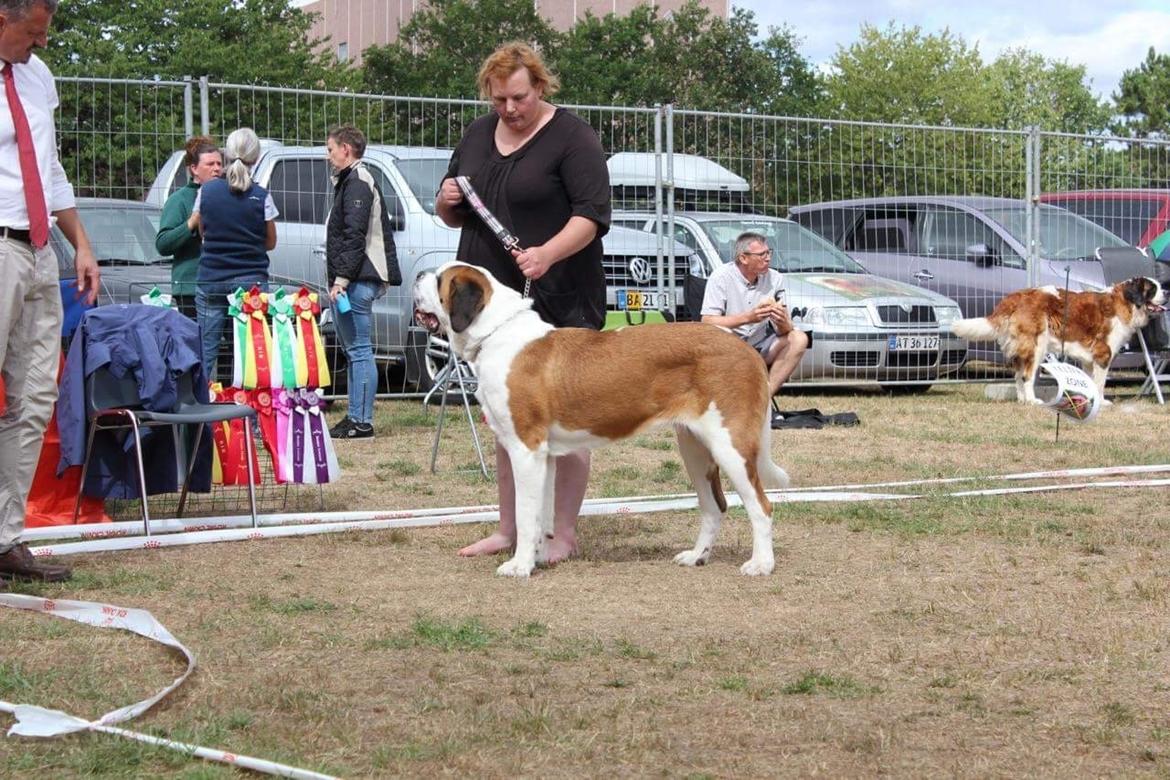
x: 1021, y: 635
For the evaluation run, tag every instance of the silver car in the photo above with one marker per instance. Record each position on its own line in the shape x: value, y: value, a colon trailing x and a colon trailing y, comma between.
x: 862, y: 327
x: 122, y: 234
x: 970, y: 248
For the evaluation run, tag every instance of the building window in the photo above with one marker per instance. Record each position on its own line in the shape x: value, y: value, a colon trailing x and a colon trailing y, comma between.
x: 343, y: 52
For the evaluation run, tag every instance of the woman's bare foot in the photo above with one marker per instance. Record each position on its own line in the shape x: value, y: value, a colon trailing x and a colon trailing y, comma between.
x: 490, y: 545
x: 561, y: 548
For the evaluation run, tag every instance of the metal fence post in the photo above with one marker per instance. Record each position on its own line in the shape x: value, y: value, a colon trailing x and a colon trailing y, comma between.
x: 669, y: 242
x: 659, y: 226
x: 1032, y: 202
x: 188, y: 108
x: 204, y: 106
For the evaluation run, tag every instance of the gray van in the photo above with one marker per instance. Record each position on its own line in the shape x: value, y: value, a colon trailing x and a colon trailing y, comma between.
x: 298, y: 179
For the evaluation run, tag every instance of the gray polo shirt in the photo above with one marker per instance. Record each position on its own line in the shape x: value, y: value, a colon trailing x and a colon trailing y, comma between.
x: 729, y: 293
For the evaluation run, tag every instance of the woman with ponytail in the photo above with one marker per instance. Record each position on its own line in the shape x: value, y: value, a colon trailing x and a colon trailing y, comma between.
x: 236, y: 218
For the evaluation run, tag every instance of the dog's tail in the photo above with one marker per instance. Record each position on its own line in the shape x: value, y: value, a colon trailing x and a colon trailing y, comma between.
x: 773, y: 477
x: 975, y: 329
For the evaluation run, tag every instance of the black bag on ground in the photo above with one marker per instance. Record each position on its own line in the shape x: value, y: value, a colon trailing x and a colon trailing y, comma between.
x: 812, y: 418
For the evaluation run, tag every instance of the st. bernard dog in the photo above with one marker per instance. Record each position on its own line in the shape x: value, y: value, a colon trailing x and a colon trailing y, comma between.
x: 547, y: 392
x: 1090, y: 326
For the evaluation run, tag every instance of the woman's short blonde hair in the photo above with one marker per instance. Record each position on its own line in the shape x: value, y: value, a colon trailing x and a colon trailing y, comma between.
x: 508, y: 59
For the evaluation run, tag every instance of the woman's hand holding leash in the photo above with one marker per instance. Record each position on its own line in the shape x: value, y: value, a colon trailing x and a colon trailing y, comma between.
x: 534, y: 262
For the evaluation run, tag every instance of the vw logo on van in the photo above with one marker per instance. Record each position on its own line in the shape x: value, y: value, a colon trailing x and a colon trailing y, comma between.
x: 641, y: 271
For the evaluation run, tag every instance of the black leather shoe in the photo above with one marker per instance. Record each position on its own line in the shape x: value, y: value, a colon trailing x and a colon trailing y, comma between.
x: 19, y: 563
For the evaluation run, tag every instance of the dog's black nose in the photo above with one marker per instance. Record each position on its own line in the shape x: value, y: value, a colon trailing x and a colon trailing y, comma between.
x: 421, y: 274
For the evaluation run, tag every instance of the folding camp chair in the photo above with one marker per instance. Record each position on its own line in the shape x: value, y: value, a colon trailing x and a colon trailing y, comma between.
x: 1121, y: 264
x: 113, y: 403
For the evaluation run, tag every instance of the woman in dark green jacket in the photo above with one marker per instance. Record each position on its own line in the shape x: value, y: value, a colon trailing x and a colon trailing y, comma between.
x: 178, y: 230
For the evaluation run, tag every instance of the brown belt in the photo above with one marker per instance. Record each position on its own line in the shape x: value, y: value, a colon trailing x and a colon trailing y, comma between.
x: 16, y: 234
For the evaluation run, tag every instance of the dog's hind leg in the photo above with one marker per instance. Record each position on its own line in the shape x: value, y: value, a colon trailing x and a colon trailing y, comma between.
x: 1027, y: 365
x: 741, y: 469
x: 530, y: 472
x: 704, y: 475
x: 1100, y: 374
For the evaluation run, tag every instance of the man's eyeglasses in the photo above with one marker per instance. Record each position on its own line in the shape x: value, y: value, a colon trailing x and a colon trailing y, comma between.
x: 766, y: 253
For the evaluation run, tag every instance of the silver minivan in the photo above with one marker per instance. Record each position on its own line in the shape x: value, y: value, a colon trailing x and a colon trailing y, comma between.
x: 298, y: 179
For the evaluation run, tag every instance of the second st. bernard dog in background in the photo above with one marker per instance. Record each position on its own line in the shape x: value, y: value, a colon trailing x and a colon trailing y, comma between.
x: 547, y: 392
x: 1089, y: 327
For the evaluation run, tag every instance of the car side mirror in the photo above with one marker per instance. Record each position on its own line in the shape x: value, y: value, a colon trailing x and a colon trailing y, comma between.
x: 981, y: 255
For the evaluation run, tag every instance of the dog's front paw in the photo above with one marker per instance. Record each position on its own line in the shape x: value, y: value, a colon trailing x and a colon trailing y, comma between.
x: 515, y: 568
x: 757, y: 568
x: 692, y: 557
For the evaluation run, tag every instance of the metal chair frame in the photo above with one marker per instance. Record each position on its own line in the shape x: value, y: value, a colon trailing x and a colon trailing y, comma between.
x: 113, y: 403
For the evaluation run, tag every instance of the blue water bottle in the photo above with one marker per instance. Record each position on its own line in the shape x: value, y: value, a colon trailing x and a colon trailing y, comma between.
x: 342, y: 302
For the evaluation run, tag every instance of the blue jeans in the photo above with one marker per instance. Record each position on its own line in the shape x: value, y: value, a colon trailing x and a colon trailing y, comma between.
x: 353, y: 329
x: 211, y: 312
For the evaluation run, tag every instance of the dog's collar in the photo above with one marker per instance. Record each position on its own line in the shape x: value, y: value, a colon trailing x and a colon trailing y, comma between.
x: 471, y: 349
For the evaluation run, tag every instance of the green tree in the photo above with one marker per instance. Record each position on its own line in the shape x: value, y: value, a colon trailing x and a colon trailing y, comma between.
x: 1143, y: 98
x: 250, y: 41
x: 114, y: 136
x: 439, y: 51
x: 609, y: 60
x: 902, y: 75
x: 1031, y: 90
x: 692, y: 58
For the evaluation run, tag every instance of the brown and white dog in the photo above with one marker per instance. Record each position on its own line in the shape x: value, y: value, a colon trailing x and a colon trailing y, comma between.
x: 547, y: 392
x: 1090, y: 327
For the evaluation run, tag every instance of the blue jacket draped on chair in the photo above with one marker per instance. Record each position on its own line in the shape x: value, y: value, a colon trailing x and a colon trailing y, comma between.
x: 156, y: 346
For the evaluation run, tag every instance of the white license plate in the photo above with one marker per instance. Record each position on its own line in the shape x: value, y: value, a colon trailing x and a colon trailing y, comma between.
x: 913, y: 343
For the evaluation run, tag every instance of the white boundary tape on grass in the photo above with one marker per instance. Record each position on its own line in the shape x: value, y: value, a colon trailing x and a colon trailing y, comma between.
x: 488, y: 513
x: 174, y: 532
x: 34, y: 721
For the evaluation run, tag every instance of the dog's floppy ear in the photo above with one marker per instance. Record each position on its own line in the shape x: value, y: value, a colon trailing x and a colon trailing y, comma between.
x: 466, y: 303
x: 1137, y: 291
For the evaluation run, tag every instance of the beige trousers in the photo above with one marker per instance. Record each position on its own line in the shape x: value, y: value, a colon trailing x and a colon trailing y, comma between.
x: 30, y: 348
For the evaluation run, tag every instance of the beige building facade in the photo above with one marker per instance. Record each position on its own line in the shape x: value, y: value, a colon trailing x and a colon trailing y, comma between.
x: 354, y: 25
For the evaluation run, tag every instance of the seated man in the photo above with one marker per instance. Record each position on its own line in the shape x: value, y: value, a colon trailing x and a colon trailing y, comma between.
x: 747, y: 297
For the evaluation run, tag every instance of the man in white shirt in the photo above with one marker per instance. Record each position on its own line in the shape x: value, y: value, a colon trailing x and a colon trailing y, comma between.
x: 746, y: 296
x: 33, y: 186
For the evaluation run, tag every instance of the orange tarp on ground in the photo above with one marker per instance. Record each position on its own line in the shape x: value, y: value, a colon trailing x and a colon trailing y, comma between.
x: 50, y: 502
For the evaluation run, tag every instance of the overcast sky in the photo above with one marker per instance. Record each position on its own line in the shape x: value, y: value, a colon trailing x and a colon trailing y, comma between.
x: 1108, y: 37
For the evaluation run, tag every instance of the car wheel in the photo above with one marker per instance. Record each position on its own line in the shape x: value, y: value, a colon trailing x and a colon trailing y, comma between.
x: 906, y: 389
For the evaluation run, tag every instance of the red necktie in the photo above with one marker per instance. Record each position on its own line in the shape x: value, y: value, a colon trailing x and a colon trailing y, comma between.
x: 34, y: 194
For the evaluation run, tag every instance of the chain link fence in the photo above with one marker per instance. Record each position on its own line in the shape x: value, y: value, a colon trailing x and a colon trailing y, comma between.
x: 946, y: 219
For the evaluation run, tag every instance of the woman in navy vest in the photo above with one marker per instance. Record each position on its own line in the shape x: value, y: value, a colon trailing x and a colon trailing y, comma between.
x: 235, y: 216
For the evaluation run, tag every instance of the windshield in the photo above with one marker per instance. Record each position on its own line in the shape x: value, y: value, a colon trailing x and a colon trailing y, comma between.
x: 423, y: 176
x: 1063, y: 235
x: 794, y: 248
x: 124, y: 236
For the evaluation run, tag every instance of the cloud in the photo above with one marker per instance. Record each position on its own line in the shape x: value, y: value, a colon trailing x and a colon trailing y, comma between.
x: 1118, y: 45
x: 1107, y: 38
